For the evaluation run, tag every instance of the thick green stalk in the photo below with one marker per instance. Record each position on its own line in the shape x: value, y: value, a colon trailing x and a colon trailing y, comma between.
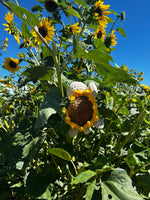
x: 138, y: 121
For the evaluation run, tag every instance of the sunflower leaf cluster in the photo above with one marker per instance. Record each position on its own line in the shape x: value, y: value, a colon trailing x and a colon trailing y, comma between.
x: 73, y: 125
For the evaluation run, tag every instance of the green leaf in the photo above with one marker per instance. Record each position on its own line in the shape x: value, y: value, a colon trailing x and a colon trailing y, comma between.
x: 38, y: 182
x: 49, y: 106
x: 90, y: 190
x: 24, y: 14
x: 84, y: 177
x: 71, y: 11
x: 25, y: 30
x: 119, y: 187
x: 61, y: 153
x: 81, y: 2
x: 121, y: 31
x: 143, y: 182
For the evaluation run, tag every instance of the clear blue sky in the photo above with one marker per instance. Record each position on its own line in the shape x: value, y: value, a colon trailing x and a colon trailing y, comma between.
x: 132, y: 51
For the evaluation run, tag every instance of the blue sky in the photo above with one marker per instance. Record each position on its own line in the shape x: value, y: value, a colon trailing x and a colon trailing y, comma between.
x: 132, y: 51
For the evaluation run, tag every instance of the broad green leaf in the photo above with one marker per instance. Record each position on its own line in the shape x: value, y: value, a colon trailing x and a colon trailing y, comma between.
x: 90, y: 190
x: 25, y: 30
x: 121, y: 31
x: 61, y: 153
x: 71, y: 11
x: 49, y: 106
x: 81, y: 2
x: 112, y: 74
x: 143, y: 182
x: 84, y: 177
x: 119, y: 187
x: 24, y: 14
x: 38, y: 182
x: 38, y: 73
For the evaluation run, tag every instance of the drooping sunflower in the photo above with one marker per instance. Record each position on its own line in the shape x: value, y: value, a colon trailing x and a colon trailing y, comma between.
x: 50, y: 5
x: 110, y: 40
x: 9, y: 19
x: 100, y: 13
x: 75, y: 28
x: 10, y: 26
x: 100, y: 33
x: 11, y: 64
x: 46, y: 30
x: 81, y: 113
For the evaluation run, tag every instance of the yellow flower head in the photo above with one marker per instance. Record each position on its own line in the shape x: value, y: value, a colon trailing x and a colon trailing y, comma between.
x: 11, y: 64
x: 100, y: 13
x: 100, y: 33
x: 5, y: 83
x: 9, y: 19
x: 81, y: 113
x: 110, y: 40
x: 145, y: 87
x: 75, y: 28
x: 46, y: 30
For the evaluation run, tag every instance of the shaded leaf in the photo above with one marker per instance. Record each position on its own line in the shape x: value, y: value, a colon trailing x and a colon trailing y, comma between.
x: 61, y: 153
x: 49, y: 106
x: 71, y: 11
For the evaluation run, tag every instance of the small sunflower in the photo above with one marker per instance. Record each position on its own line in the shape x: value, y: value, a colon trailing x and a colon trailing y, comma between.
x: 110, y: 40
x: 9, y: 19
x: 75, y: 28
x: 10, y: 26
x: 11, y: 64
x: 100, y: 33
x: 81, y: 113
x: 5, y: 44
x: 50, y: 5
x: 100, y: 13
x: 5, y: 83
x: 46, y: 30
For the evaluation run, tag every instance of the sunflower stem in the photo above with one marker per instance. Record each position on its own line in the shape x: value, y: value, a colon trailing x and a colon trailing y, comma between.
x: 37, y: 62
x: 57, y: 65
x: 118, y: 16
x: 17, y: 2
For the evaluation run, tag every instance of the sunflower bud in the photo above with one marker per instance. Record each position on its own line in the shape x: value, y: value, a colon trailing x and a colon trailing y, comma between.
x: 123, y: 17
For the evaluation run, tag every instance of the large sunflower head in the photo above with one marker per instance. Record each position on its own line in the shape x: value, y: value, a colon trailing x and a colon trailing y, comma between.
x: 100, y: 13
x: 81, y: 113
x: 46, y: 30
x: 100, y: 33
x: 110, y: 40
x: 75, y: 28
x: 11, y: 64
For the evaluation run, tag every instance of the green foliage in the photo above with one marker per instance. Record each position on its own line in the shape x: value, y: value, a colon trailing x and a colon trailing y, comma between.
x: 38, y: 158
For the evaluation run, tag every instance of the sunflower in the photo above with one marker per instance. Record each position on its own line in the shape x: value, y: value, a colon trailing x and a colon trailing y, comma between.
x: 5, y: 44
x: 9, y: 19
x: 81, y: 113
x: 100, y: 33
x: 110, y: 40
x: 100, y: 13
x: 46, y: 31
x: 5, y: 83
x: 75, y: 28
x: 11, y: 64
x: 10, y: 26
x: 50, y: 5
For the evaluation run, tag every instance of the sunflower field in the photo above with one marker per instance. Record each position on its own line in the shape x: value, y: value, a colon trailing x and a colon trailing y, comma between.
x: 73, y: 124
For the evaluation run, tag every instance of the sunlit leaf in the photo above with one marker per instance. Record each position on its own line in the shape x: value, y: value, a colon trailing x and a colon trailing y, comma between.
x: 61, y: 153
x: 121, y: 31
x: 84, y: 177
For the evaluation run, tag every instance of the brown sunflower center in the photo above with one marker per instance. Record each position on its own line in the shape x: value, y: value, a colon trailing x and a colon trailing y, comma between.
x: 80, y: 111
x: 50, y: 5
x: 12, y: 64
x: 99, y: 12
x: 99, y: 34
x: 43, y: 31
